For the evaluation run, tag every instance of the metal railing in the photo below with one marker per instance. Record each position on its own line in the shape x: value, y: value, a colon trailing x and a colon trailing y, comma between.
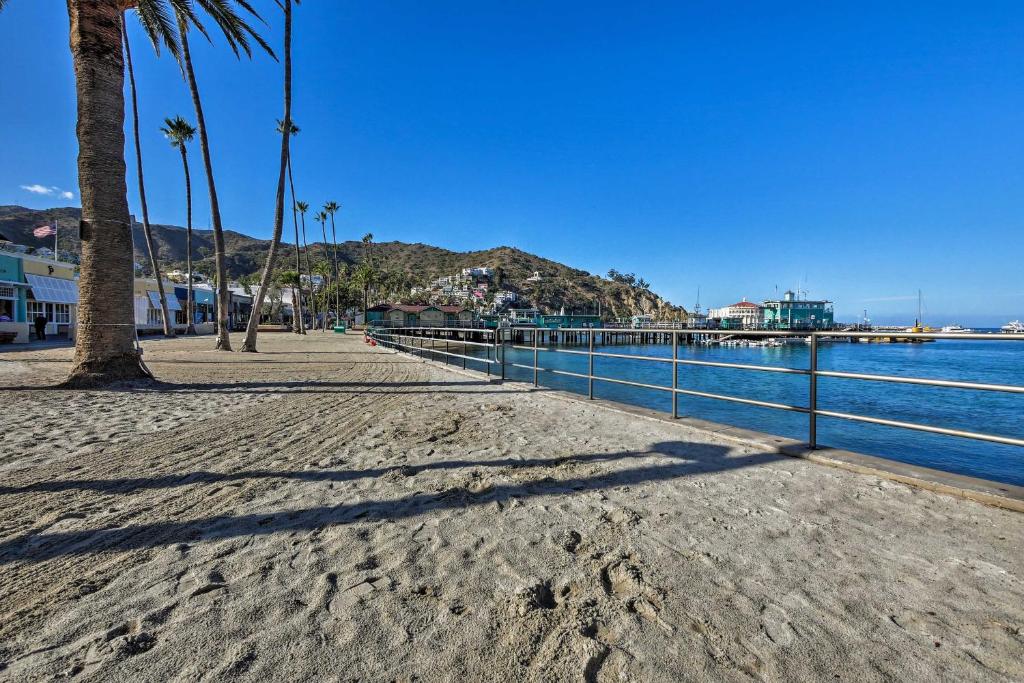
x: 414, y: 340
x: 496, y: 343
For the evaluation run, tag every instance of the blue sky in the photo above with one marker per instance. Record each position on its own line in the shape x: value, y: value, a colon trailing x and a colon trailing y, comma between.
x: 861, y: 150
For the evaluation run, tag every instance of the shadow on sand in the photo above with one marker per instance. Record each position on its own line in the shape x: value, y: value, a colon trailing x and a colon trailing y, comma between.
x: 688, y: 459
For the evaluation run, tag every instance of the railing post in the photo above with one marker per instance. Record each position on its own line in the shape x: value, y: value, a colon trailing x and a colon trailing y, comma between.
x: 535, y: 357
x: 502, y: 343
x: 487, y: 356
x: 675, y: 374
x: 812, y: 415
x: 465, y: 349
x: 590, y: 365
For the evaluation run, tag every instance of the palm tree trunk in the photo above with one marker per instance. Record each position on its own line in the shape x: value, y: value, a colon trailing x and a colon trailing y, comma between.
x: 251, y: 329
x: 309, y: 271
x: 223, y: 295
x: 298, y: 324
x: 337, y: 278
x: 189, y: 299
x: 327, y: 303
x: 105, y: 337
x: 150, y: 246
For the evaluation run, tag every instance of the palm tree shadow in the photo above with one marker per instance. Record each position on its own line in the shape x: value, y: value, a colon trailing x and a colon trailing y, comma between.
x: 686, y: 460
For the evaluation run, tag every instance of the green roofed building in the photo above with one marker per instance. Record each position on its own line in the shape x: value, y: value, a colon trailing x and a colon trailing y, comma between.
x: 791, y: 313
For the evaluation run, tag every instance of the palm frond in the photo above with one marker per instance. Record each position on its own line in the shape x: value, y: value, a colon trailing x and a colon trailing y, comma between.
x: 158, y: 25
x: 236, y: 30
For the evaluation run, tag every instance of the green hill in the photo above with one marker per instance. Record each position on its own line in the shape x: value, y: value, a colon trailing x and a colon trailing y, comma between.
x: 406, y: 264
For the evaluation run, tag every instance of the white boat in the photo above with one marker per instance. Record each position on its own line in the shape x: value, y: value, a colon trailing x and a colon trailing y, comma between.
x: 1013, y: 327
x: 956, y: 329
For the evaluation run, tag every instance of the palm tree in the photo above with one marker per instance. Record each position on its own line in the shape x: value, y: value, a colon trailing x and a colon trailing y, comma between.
x: 366, y: 277
x: 237, y: 33
x: 180, y: 132
x: 286, y: 133
x: 105, y: 349
x: 293, y: 280
x: 298, y: 324
x: 150, y: 246
x: 321, y: 218
x: 332, y: 208
x: 302, y: 208
x: 323, y: 269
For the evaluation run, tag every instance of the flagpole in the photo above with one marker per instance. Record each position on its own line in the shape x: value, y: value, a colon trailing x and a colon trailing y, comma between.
x: 54, y: 239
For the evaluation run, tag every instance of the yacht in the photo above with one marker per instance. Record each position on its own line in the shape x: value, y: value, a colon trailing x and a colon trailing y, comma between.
x: 956, y: 329
x: 1013, y: 327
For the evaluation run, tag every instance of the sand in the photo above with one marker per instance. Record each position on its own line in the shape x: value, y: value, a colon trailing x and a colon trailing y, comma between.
x: 327, y: 511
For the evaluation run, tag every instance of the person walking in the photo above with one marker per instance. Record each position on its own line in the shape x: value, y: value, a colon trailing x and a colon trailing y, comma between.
x: 40, y: 323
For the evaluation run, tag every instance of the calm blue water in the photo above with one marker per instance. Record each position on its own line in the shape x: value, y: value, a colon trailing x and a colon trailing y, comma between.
x: 996, y: 362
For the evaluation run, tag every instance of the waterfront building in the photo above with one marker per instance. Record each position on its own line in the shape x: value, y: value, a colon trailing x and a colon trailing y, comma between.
x: 406, y: 315
x: 203, y: 305
x: 793, y: 313
x: 742, y: 315
x: 31, y: 286
x: 149, y: 316
x: 696, y: 320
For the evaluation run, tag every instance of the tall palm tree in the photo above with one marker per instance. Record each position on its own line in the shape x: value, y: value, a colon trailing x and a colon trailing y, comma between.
x: 150, y: 245
x: 105, y: 349
x: 366, y: 272
x: 180, y: 132
x: 237, y: 33
x: 302, y: 208
x: 298, y: 324
x: 321, y: 218
x: 323, y: 269
x: 331, y: 208
x: 252, y: 328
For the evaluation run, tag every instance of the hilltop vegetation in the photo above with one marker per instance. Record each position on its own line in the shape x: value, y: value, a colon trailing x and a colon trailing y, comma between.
x: 402, y: 264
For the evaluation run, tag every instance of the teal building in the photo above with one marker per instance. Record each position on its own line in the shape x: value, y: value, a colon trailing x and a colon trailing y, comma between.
x: 13, y: 296
x: 791, y: 313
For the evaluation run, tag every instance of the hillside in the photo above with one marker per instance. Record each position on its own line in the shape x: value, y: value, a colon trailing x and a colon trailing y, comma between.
x: 560, y: 286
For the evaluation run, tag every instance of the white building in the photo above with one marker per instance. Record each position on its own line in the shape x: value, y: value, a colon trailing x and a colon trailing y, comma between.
x: 746, y: 314
x: 477, y: 272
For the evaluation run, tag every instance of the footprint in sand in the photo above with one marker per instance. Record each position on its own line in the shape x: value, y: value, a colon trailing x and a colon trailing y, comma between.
x: 776, y: 624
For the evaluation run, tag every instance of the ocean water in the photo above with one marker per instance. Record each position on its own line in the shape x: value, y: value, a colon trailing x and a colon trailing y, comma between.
x: 995, y: 362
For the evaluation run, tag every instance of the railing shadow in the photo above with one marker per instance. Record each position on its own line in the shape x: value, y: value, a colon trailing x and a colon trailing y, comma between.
x: 689, y: 459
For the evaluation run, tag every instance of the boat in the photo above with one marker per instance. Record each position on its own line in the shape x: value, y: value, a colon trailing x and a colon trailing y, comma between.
x: 1013, y: 327
x: 956, y: 329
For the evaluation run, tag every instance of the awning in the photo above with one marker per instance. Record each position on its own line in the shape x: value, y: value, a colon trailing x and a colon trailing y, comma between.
x: 172, y: 301
x: 202, y: 296
x: 53, y: 290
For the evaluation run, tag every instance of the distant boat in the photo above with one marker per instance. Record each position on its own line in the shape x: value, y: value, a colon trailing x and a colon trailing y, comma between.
x: 956, y: 329
x: 1013, y: 327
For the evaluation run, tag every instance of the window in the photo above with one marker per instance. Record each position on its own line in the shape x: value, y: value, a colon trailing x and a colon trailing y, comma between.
x: 61, y: 314
x: 7, y: 292
x: 36, y: 309
x: 154, y: 316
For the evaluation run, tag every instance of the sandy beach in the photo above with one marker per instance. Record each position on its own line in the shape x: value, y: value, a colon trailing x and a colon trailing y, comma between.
x: 324, y: 510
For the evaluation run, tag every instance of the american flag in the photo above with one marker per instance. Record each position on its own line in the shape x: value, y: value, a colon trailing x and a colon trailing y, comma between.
x: 45, y: 231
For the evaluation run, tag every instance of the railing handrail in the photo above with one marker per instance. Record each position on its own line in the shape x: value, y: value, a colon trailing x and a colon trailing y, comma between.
x: 499, y: 336
x: 1008, y: 336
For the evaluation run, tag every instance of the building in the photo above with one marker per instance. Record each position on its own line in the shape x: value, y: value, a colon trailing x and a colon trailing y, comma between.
x: 744, y: 315
x: 696, y: 320
x: 203, y: 306
x: 792, y: 313
x: 149, y: 316
x: 405, y: 315
x: 31, y: 286
x: 477, y: 272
